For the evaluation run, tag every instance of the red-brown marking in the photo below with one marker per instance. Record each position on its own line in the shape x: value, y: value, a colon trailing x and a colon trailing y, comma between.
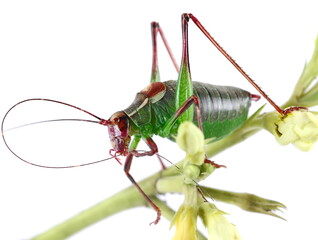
x: 153, y: 89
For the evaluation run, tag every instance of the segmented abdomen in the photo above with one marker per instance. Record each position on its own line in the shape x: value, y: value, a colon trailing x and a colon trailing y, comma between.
x: 223, y: 108
x: 221, y: 102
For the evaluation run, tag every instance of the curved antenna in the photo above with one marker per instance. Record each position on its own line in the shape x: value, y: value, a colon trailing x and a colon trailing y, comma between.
x: 101, y: 121
x: 55, y: 167
x: 166, y: 159
x: 52, y: 120
x: 50, y: 100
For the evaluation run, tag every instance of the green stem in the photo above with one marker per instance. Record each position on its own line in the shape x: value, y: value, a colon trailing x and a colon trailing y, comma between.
x: 108, y: 207
x: 102, y: 210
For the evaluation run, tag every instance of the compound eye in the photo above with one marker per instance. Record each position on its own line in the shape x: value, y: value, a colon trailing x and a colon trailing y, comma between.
x: 119, y: 126
x: 123, y: 125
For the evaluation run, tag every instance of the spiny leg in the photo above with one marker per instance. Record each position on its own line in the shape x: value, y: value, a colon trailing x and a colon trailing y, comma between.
x: 184, y: 88
x: 127, y: 168
x: 155, y: 28
x: 188, y: 16
x: 165, y: 42
x: 154, y: 69
x: 128, y: 162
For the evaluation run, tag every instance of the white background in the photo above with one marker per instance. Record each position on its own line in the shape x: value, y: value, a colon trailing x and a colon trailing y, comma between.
x: 97, y: 55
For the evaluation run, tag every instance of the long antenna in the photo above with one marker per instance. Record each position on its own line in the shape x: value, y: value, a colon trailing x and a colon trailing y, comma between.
x: 53, y: 120
x: 100, y: 121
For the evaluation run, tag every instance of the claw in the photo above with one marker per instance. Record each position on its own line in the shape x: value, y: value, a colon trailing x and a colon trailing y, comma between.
x: 291, y: 109
x: 157, y: 219
x: 213, y: 163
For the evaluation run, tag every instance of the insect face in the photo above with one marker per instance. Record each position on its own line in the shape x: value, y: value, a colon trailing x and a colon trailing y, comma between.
x: 118, y: 129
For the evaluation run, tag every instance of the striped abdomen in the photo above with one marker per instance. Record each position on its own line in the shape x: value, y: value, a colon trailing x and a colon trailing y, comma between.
x: 223, y: 109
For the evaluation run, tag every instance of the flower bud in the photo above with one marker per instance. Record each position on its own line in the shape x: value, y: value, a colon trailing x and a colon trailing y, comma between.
x: 191, y: 140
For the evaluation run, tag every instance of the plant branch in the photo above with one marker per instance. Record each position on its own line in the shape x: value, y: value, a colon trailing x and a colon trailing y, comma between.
x: 102, y: 210
x: 106, y: 208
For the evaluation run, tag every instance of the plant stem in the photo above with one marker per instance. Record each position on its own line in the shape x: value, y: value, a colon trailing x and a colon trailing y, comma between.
x: 108, y: 207
x: 102, y: 210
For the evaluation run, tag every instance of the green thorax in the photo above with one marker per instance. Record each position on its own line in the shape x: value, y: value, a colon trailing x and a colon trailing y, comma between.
x: 223, y: 109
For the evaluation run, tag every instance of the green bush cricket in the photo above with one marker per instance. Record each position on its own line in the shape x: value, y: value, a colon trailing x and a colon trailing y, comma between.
x: 159, y: 108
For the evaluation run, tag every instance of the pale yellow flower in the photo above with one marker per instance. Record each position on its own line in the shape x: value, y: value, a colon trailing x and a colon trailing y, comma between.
x: 190, y: 139
x: 299, y: 128
x: 219, y: 228
x: 185, y: 222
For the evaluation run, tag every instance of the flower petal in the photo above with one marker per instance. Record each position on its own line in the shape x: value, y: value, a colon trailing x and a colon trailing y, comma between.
x: 219, y: 227
x: 299, y: 128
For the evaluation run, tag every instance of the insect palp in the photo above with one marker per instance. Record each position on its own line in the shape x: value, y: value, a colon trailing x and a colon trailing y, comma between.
x: 115, y: 155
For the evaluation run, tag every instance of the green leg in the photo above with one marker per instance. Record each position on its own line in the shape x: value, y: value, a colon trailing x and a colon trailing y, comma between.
x: 184, y: 86
x: 179, y: 113
x: 134, y: 143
